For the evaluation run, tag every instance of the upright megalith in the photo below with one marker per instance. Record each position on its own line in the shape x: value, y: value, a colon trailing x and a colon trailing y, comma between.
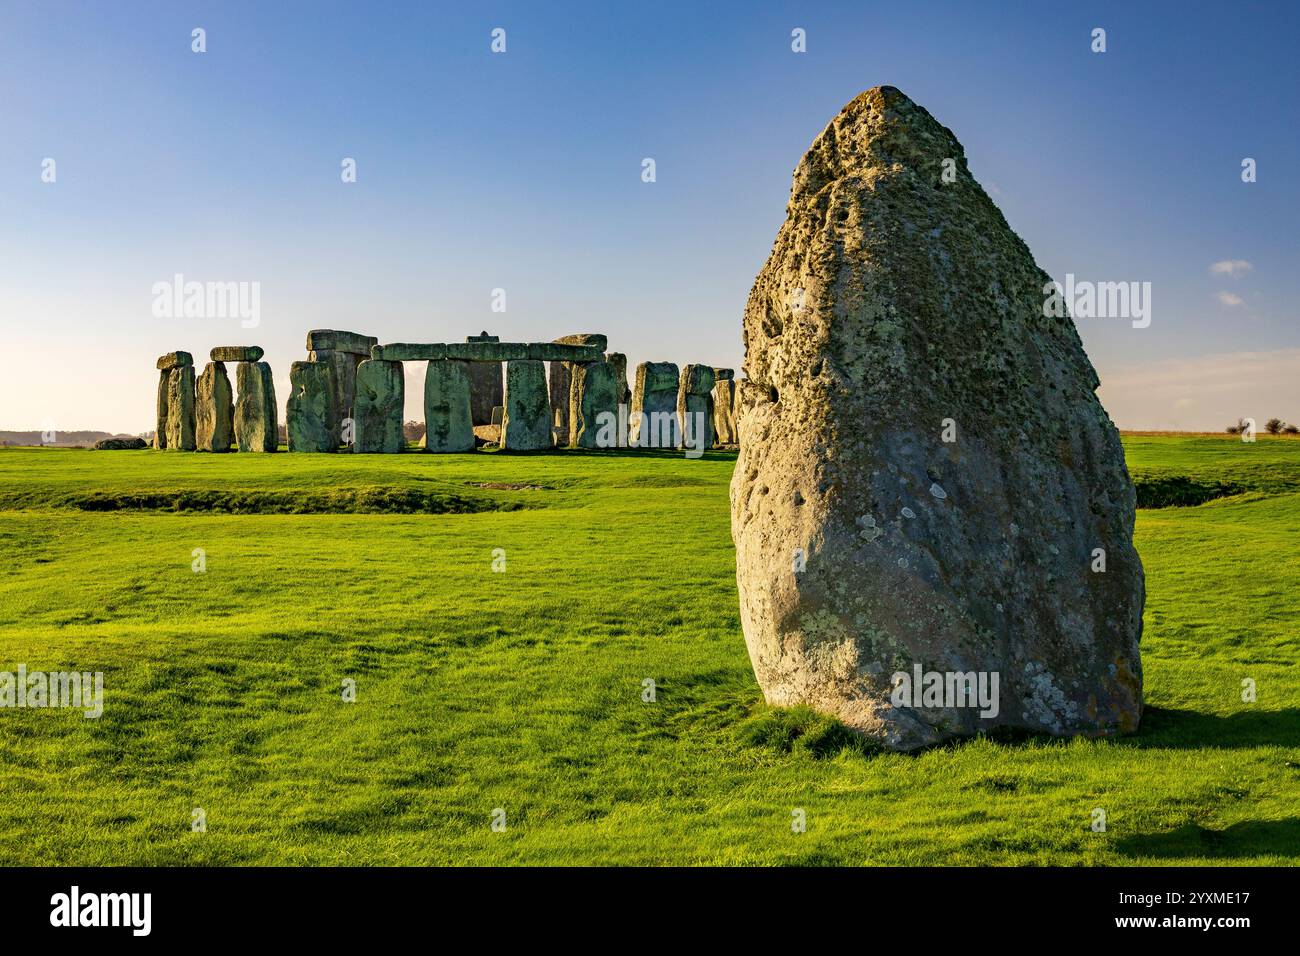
x: 486, y: 389
x: 311, y: 414
x: 214, y: 409
x: 724, y: 406
x: 930, y: 505
x: 618, y: 362
x: 560, y: 384
x: 171, y: 390
x: 180, y: 408
x: 257, y: 425
x: 345, y: 351
x: 378, y: 407
x: 448, y: 419
x: 654, y: 406
x: 695, y: 406
x: 593, y: 406
x: 526, y: 423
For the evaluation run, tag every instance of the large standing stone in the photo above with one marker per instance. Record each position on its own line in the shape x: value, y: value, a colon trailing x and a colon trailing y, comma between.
x: 448, y: 424
x: 596, y: 393
x: 486, y: 390
x: 695, y: 406
x: 898, y: 310
x: 256, y: 423
x: 214, y: 409
x: 618, y: 362
x: 526, y: 424
x: 345, y: 351
x: 379, y: 405
x: 311, y: 414
x: 654, y: 406
x: 160, y: 430
x: 724, y: 406
x: 180, y: 408
x: 560, y: 384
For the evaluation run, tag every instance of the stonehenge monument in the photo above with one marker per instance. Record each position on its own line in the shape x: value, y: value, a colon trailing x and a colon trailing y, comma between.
x: 344, y: 351
x: 351, y: 391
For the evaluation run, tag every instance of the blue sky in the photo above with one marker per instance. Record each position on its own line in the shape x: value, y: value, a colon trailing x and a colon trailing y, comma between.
x: 522, y: 171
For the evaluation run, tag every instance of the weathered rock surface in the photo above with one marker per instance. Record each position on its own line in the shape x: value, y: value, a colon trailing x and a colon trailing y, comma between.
x: 894, y: 309
x: 174, y: 360
x: 311, y: 413
x: 695, y: 406
x: 256, y: 425
x: 378, y: 407
x: 486, y: 391
x: 593, y: 339
x: 559, y: 385
x: 160, y: 430
x: 236, y: 353
x: 214, y: 409
x: 180, y: 408
x: 654, y: 406
x: 328, y: 340
x: 526, y: 424
x: 120, y: 444
x: 618, y: 362
x: 448, y: 426
x: 596, y: 392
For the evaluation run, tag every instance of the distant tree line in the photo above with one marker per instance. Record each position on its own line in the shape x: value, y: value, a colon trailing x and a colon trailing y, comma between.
x: 1274, y: 426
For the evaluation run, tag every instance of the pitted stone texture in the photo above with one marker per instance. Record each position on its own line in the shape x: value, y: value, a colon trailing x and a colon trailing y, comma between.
x: 724, y: 415
x: 378, y: 408
x: 448, y: 426
x: 654, y: 421
x: 256, y: 423
x: 865, y: 544
x: 593, y: 406
x: 618, y: 361
x: 160, y: 431
x: 236, y: 353
x: 345, y: 381
x: 328, y: 340
x: 311, y: 413
x: 594, y: 339
x: 180, y: 408
x: 526, y: 424
x: 695, y: 406
x: 214, y: 409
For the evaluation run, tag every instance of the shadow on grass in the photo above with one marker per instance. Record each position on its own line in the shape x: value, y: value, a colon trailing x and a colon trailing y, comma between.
x: 1189, y: 730
x: 1249, y: 838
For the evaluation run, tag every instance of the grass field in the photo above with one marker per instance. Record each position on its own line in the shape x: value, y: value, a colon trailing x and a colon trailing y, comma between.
x: 522, y: 688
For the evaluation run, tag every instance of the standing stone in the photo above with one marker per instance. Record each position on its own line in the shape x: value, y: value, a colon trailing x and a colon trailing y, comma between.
x: 256, y: 425
x: 654, y: 406
x: 214, y: 409
x: 448, y: 423
x: 896, y: 311
x: 560, y: 383
x: 596, y: 393
x: 378, y: 408
x: 526, y: 424
x: 180, y: 408
x: 724, y: 406
x: 695, y: 406
x: 311, y: 414
x: 345, y: 351
x: 618, y: 361
x: 160, y: 431
x: 486, y: 391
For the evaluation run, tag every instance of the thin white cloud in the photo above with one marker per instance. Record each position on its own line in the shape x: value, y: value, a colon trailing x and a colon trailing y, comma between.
x: 1235, y: 268
x: 1228, y: 299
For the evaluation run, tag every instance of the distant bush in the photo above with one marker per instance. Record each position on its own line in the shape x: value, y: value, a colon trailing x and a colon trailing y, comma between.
x: 1292, y: 429
x: 1274, y: 426
x: 1238, y: 428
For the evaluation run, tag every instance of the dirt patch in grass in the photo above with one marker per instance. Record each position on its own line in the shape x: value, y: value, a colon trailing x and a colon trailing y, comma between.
x: 1181, y: 491
x: 339, y: 501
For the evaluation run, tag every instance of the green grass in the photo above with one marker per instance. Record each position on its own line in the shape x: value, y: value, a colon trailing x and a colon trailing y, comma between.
x: 522, y: 689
